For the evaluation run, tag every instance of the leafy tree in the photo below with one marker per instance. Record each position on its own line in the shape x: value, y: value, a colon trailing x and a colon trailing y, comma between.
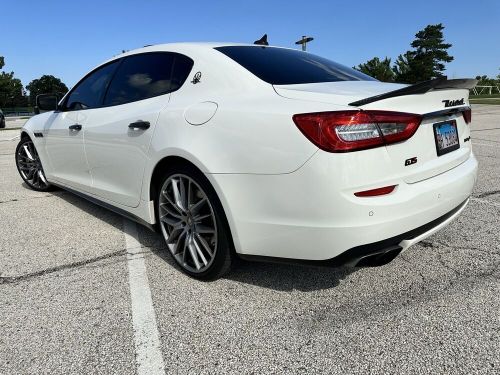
x: 426, y: 60
x: 484, y: 80
x: 12, y: 93
x: 404, y: 67
x: 379, y: 69
x: 46, y: 84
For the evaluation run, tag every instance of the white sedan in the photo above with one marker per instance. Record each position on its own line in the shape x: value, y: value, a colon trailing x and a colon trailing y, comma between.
x: 258, y: 152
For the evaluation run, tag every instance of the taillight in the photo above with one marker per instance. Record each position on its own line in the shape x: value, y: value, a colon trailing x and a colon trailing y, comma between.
x: 345, y: 131
x: 467, y: 115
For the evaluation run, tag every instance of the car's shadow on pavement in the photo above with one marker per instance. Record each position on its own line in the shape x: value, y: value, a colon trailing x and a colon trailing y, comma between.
x: 275, y: 276
x: 280, y: 277
x: 286, y: 277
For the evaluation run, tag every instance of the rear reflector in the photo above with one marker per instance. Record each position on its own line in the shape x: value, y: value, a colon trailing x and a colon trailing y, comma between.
x: 346, y: 131
x: 467, y: 115
x: 376, y: 192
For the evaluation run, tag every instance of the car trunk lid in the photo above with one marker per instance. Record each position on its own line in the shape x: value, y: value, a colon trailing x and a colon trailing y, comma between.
x: 438, y: 102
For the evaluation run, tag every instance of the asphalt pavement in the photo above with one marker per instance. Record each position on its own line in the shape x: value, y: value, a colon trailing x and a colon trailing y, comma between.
x: 15, y: 122
x: 67, y: 300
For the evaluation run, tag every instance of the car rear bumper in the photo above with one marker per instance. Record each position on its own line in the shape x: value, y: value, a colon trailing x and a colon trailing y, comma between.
x: 377, y: 253
x: 309, y: 215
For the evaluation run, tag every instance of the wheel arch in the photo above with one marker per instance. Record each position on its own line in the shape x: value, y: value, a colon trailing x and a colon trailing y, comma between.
x: 175, y: 161
x: 167, y: 162
x: 24, y: 134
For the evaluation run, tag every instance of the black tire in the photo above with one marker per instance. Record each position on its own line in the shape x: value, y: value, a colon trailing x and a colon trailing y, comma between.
x: 30, y: 168
x: 223, y: 255
x: 2, y: 122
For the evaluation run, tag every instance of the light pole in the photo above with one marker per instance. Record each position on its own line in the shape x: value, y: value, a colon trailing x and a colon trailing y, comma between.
x: 304, y: 41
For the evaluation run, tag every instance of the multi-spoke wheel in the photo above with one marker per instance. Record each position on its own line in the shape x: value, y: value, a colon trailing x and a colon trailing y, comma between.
x: 30, y: 167
x: 193, y: 226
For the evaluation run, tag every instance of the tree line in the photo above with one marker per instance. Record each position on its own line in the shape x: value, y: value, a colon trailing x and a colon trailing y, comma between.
x: 426, y: 60
x: 14, y: 94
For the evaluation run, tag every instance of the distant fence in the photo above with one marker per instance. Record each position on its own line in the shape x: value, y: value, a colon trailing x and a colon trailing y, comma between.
x: 485, y: 90
x: 18, y: 111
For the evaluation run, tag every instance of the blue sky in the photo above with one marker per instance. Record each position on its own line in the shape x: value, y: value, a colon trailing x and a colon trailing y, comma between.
x: 68, y: 38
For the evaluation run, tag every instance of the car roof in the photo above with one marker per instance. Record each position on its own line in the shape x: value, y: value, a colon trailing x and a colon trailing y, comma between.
x: 187, y: 47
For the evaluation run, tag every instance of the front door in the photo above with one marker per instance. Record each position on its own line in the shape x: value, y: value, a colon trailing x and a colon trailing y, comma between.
x: 65, y: 133
x: 64, y: 146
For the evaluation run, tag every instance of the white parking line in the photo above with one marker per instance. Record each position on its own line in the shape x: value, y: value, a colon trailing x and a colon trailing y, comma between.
x: 149, y: 359
x: 10, y: 139
x: 484, y: 201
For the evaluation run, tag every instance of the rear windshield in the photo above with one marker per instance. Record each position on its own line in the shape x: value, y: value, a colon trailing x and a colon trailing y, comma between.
x: 280, y: 66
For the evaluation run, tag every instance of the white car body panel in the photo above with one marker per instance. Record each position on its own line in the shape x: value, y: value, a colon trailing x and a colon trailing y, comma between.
x: 303, y: 216
x: 340, y: 93
x: 283, y: 197
x: 66, y: 151
x: 117, y: 153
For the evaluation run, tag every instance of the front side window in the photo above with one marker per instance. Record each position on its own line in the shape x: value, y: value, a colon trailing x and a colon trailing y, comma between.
x: 89, y: 92
x: 140, y: 77
x: 281, y: 66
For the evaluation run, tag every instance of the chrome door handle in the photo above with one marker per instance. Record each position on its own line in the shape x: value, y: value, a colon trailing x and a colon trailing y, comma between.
x: 139, y: 124
x: 75, y: 127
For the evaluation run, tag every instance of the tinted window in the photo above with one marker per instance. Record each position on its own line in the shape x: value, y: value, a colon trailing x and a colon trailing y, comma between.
x: 143, y: 76
x: 280, y: 66
x: 88, y: 93
x: 182, y: 68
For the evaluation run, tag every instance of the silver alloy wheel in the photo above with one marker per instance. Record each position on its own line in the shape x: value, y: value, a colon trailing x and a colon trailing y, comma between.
x: 188, y: 223
x: 30, y: 166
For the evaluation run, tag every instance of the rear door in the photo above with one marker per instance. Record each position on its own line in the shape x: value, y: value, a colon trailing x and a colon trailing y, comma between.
x: 118, y: 135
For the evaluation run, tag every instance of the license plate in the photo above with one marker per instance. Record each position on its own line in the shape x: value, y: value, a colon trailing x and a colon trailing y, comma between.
x: 446, y: 136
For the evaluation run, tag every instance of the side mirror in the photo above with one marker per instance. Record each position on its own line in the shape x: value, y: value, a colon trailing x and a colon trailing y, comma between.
x: 46, y: 102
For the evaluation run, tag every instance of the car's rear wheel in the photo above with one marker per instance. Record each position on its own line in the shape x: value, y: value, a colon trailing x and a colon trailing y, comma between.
x: 2, y: 122
x: 193, y: 224
x: 30, y: 167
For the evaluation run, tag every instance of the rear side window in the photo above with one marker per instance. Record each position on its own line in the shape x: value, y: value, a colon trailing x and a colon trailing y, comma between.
x: 182, y: 68
x: 280, y: 66
x: 147, y: 75
x: 89, y: 91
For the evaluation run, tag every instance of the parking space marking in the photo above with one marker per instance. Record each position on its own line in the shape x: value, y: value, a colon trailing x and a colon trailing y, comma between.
x: 149, y: 359
x: 10, y: 139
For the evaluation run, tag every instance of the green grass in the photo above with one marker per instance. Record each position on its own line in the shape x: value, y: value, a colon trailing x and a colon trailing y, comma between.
x: 484, y: 96
x: 485, y: 101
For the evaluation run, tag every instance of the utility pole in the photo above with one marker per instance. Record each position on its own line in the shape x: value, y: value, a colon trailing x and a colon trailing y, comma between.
x: 304, y: 41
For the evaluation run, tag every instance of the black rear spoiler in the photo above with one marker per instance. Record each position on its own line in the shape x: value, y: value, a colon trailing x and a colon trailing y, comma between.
x: 440, y: 83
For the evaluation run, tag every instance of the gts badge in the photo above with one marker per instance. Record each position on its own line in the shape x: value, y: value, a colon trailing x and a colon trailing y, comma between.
x: 410, y: 161
x: 452, y: 103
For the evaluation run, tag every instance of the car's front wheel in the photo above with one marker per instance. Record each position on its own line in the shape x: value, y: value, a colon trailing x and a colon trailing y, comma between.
x: 30, y: 167
x: 193, y: 224
x: 2, y: 122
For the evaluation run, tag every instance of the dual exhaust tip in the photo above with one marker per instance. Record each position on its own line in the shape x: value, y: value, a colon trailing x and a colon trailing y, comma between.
x: 379, y: 259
